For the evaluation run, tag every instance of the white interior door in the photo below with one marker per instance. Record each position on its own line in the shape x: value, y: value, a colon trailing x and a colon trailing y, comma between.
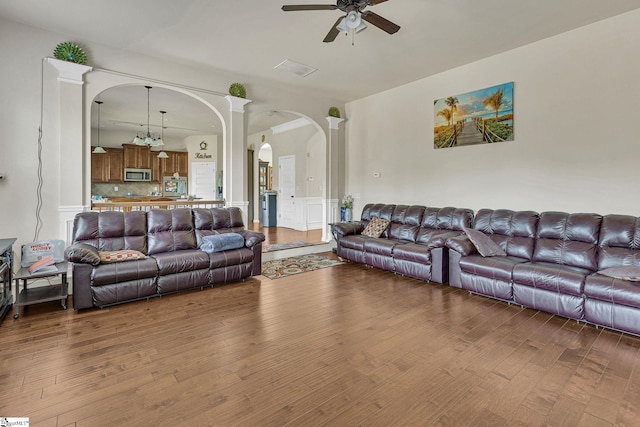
x: 204, y: 179
x: 286, y: 191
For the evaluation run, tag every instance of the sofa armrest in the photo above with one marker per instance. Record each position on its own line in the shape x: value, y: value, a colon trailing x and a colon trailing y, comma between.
x: 461, y: 244
x: 82, y: 253
x: 252, y: 238
x: 340, y: 229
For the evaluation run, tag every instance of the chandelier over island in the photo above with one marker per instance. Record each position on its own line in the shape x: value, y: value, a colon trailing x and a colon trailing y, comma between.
x: 150, y: 139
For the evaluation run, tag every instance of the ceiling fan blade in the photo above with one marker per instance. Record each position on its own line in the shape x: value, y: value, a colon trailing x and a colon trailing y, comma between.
x: 293, y: 8
x: 372, y: 2
x: 380, y: 22
x: 333, y: 32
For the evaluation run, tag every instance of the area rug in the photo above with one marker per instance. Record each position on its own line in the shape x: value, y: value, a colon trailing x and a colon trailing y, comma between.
x: 295, y: 265
x: 288, y: 245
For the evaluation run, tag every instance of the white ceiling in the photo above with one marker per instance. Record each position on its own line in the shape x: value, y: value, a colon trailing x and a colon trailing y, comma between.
x: 435, y: 35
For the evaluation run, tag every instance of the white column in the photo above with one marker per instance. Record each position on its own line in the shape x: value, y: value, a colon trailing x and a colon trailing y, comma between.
x: 70, y: 141
x: 335, y: 175
x: 235, y: 157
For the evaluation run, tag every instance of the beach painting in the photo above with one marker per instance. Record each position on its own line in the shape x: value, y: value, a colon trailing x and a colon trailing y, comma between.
x: 484, y: 116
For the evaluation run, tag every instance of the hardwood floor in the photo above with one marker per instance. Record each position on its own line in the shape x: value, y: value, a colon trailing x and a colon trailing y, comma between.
x: 283, y: 235
x: 342, y: 346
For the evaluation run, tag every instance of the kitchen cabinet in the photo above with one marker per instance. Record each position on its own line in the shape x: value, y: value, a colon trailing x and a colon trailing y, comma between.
x: 137, y: 156
x: 176, y: 162
x: 107, y: 167
x: 156, y: 176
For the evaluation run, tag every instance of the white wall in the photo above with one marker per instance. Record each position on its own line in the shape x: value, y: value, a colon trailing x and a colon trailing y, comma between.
x: 577, y: 131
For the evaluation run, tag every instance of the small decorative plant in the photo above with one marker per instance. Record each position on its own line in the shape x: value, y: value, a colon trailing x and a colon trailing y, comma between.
x: 68, y: 51
x: 347, y: 201
x: 238, y: 90
x: 334, y: 112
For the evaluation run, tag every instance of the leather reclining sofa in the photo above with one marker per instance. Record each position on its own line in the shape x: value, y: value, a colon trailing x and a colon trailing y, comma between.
x: 552, y: 260
x: 413, y: 244
x: 170, y: 240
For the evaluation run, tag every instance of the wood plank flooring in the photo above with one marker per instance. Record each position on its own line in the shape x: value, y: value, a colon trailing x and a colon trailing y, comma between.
x: 275, y: 235
x: 341, y: 346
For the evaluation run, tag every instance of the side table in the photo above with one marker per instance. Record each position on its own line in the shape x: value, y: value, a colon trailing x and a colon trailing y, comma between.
x: 37, y: 295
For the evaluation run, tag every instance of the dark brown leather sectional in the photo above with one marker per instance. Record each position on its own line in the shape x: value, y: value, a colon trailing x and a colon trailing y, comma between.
x: 412, y: 245
x: 551, y: 264
x: 171, y: 239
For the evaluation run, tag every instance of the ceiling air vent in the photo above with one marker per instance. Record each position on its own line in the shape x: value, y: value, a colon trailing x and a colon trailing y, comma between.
x: 295, y: 68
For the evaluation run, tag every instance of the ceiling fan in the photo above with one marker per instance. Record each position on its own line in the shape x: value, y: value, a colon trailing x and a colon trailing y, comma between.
x: 355, y: 12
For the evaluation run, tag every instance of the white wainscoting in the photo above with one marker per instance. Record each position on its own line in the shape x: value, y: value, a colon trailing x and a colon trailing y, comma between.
x: 308, y: 213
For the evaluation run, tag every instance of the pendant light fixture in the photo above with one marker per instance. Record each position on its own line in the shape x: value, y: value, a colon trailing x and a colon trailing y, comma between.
x: 162, y: 154
x: 98, y: 149
x: 152, y: 140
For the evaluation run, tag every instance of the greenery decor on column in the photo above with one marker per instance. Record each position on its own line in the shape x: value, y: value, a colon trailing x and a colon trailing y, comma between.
x: 334, y: 112
x: 68, y: 51
x: 237, y: 90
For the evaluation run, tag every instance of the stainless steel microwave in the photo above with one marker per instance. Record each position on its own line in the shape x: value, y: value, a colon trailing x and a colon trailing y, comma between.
x: 137, y: 175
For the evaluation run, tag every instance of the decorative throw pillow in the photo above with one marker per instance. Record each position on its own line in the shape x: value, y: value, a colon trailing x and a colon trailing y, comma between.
x: 628, y: 272
x: 483, y: 243
x: 221, y: 242
x: 376, y: 227
x: 119, y: 256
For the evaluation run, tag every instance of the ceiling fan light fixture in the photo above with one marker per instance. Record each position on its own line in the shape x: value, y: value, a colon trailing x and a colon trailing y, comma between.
x: 353, y: 19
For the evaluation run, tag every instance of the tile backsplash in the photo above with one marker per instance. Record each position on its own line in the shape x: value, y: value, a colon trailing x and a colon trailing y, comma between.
x: 135, y: 188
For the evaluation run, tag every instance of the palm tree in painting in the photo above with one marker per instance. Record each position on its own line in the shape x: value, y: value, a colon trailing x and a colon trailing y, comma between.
x: 446, y: 114
x: 452, y: 102
x: 494, y: 101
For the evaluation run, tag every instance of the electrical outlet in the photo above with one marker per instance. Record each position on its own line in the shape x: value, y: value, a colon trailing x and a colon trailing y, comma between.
x: 376, y: 174
x: 115, y: 188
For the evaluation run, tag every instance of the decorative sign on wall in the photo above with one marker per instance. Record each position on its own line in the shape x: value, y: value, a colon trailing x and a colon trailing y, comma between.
x: 483, y: 116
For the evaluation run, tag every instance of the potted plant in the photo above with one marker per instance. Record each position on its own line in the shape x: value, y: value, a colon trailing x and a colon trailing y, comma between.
x: 347, y: 206
x: 238, y: 90
x: 68, y: 51
x: 334, y: 112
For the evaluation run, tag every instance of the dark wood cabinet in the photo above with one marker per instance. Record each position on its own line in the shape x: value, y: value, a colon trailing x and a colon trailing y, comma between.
x: 176, y: 162
x: 108, y: 167
x: 156, y: 176
x: 137, y: 156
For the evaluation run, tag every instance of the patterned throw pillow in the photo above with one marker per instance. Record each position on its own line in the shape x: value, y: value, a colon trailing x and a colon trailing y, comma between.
x: 483, y: 243
x: 628, y: 272
x: 118, y: 256
x: 376, y: 227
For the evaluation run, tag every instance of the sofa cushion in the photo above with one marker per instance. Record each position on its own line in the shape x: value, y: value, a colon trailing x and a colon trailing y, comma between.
x: 500, y: 267
x: 119, y: 272
x: 354, y: 241
x: 170, y: 230
x: 380, y: 246
x: 627, y: 272
x: 558, y: 278
x: 181, y: 261
x: 230, y: 257
x: 568, y: 239
x: 412, y: 252
x: 119, y: 256
x: 514, y: 231
x: 619, y: 242
x: 609, y: 289
x: 376, y: 227
x: 483, y: 243
x: 221, y: 242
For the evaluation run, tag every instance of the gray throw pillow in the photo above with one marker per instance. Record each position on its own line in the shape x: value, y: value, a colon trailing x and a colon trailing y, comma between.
x: 483, y: 243
x: 222, y: 242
